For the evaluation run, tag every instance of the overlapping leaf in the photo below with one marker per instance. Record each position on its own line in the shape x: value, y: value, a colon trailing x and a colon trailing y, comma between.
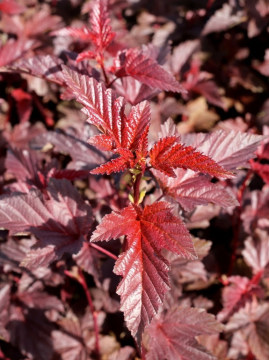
x: 14, y: 49
x: 99, y: 33
x: 229, y: 149
x: 256, y: 252
x: 251, y: 323
x: 135, y: 63
x: 190, y: 189
x: 168, y: 154
x: 126, y: 135
x: 60, y: 222
x: 142, y: 265
x: 239, y: 291
x: 171, y: 335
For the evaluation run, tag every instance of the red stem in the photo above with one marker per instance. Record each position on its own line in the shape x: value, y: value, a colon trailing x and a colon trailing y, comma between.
x: 136, y: 188
x: 105, y: 74
x: 104, y: 251
x: 81, y: 279
x: 236, y: 220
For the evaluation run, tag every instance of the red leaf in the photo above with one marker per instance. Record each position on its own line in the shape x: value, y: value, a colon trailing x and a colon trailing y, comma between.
x: 14, y: 49
x: 142, y: 265
x: 261, y: 169
x: 127, y: 136
x: 190, y: 190
x: 11, y: 7
x: 229, y: 149
x: 101, y: 33
x: 82, y: 33
x: 168, y: 154
x: 115, y: 165
x: 135, y: 63
x: 60, y: 222
x: 23, y: 104
x: 239, y: 291
x: 172, y: 335
x: 44, y: 66
x: 99, y: 102
x: 251, y: 323
x: 256, y: 252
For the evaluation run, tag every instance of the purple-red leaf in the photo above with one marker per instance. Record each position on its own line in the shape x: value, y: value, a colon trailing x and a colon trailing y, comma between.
x: 60, y: 222
x: 239, y: 291
x: 190, y: 190
x: 142, y: 265
x: 251, y: 323
x: 14, y: 49
x: 172, y: 335
x: 256, y: 252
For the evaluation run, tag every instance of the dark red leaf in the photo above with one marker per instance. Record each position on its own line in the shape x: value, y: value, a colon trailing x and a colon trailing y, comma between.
x: 31, y: 332
x: 60, y: 222
x: 190, y: 189
x: 44, y: 66
x: 84, y: 156
x: 172, y: 335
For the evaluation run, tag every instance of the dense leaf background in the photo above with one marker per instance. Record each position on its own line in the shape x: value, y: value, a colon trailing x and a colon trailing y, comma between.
x: 86, y: 91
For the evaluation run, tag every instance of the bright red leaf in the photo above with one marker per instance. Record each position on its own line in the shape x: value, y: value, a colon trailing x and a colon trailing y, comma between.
x: 142, y: 265
x: 168, y: 154
x: 101, y: 33
x: 125, y: 135
x: 137, y: 64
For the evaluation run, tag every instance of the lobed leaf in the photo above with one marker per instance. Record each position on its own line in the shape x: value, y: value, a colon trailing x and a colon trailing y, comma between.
x: 60, y: 222
x: 229, y: 149
x: 168, y: 154
x: 172, y: 335
x: 125, y: 135
x: 101, y: 31
x: 143, y: 267
x: 190, y: 189
x: 135, y: 63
